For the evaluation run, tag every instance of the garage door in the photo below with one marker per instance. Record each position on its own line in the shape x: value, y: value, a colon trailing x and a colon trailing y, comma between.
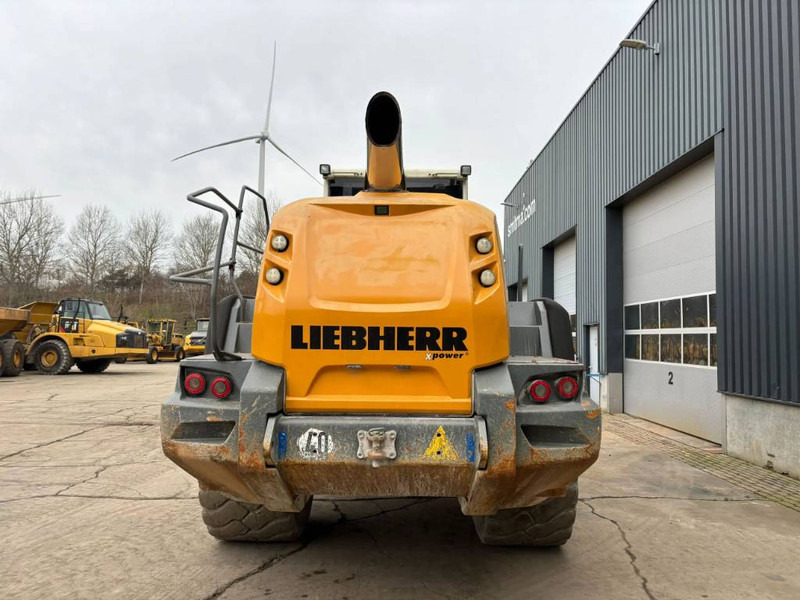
x: 564, y: 274
x: 670, y: 304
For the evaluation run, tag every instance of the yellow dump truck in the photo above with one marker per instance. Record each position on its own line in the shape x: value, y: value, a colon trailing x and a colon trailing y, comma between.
x: 52, y: 337
x: 380, y: 357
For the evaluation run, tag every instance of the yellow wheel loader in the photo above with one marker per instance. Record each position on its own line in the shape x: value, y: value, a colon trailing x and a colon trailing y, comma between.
x: 195, y: 343
x: 52, y: 337
x: 163, y: 340
x: 380, y: 357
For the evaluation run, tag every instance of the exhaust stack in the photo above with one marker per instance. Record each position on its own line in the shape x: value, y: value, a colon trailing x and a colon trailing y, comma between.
x: 384, y: 148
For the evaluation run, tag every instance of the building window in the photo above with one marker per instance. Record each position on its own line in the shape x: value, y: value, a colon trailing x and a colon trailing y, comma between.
x: 650, y: 347
x: 671, y: 347
x: 685, y: 330
x: 650, y: 315
x: 633, y: 346
x: 713, y: 352
x: 695, y: 349
x: 632, y: 317
x: 670, y: 314
x: 712, y: 310
x: 695, y: 311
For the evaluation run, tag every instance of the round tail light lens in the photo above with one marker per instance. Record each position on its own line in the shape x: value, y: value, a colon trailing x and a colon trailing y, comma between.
x: 274, y: 276
x: 194, y: 384
x: 567, y: 387
x: 539, y: 391
x: 487, y: 278
x: 221, y: 387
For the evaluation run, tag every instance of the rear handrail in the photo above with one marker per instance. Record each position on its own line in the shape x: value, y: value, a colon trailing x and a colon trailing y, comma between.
x: 237, y: 244
x: 191, y: 276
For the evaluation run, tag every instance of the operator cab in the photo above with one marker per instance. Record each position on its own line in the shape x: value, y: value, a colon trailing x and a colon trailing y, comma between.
x: 72, y: 313
x: 349, y: 182
x: 78, y: 308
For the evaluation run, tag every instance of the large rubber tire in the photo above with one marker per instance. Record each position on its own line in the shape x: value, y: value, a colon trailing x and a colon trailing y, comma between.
x: 546, y: 524
x: 53, y: 357
x: 230, y: 520
x: 152, y: 355
x: 97, y: 365
x: 179, y: 355
x: 13, y: 358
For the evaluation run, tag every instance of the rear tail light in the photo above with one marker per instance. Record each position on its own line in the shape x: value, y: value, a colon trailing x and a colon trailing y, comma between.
x: 539, y: 391
x: 567, y: 387
x: 194, y: 384
x: 221, y: 387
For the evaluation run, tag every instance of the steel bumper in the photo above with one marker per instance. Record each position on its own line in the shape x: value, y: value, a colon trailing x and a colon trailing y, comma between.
x: 504, y: 456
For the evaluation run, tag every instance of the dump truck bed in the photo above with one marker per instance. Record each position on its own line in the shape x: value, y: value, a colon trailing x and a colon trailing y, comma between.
x: 13, y: 319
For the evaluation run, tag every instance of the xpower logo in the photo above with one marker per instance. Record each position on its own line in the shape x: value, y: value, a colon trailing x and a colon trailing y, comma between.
x: 436, y: 342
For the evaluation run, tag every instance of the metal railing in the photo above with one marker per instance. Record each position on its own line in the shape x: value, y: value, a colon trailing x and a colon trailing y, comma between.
x: 191, y: 277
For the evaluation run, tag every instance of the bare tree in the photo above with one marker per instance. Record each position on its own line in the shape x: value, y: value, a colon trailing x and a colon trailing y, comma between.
x: 253, y: 230
x: 30, y: 231
x: 93, y: 248
x: 146, y: 244
x: 194, y: 247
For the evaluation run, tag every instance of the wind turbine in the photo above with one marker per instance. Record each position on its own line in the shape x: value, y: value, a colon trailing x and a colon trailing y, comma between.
x: 261, y: 139
x: 26, y: 198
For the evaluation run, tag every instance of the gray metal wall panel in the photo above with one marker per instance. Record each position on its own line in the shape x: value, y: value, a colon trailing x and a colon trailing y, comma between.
x: 729, y: 68
x: 757, y: 269
x: 627, y: 126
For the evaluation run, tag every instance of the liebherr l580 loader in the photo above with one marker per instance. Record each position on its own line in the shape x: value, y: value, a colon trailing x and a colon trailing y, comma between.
x: 381, y: 357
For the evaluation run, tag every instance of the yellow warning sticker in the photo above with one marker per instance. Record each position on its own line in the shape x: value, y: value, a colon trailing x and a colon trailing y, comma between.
x: 440, y: 447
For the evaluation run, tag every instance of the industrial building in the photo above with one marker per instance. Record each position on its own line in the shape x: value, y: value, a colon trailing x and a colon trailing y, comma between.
x: 663, y: 214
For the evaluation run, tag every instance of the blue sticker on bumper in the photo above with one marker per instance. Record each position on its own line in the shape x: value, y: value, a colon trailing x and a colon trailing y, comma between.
x: 470, y: 447
x: 281, y: 445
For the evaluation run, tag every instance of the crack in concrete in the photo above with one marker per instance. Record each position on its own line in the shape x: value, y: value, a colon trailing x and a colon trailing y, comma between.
x: 342, y: 520
x: 628, y: 550
x: 390, y: 510
x: 338, y: 511
x: 265, y: 566
x: 103, y: 497
x: 132, y: 498
x: 83, y: 423
x: 754, y: 498
x: 381, y: 511
x: 44, y: 444
x: 86, y: 480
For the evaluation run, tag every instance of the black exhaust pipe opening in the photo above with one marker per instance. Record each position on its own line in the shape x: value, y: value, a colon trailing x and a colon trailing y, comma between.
x: 383, y: 119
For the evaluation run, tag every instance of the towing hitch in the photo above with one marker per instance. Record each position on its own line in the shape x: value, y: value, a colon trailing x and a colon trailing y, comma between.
x: 376, y: 445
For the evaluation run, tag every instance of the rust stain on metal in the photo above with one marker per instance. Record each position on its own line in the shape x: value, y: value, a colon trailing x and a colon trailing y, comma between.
x: 593, y: 414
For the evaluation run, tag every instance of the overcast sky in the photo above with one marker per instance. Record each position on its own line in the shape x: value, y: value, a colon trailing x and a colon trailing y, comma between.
x: 97, y: 97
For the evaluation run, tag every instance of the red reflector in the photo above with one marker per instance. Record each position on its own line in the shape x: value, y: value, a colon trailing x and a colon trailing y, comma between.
x: 567, y: 388
x: 194, y: 384
x: 540, y: 391
x: 221, y: 387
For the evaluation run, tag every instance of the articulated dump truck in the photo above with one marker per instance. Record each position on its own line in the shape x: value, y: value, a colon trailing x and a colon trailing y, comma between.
x: 52, y: 337
x: 380, y: 357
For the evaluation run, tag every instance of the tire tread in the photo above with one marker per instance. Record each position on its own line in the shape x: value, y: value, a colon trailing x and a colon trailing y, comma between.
x: 231, y: 520
x: 547, y: 524
x: 63, y: 365
x: 8, y: 349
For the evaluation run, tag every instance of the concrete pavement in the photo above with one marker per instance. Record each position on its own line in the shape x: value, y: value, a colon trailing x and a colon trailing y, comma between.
x: 89, y: 508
